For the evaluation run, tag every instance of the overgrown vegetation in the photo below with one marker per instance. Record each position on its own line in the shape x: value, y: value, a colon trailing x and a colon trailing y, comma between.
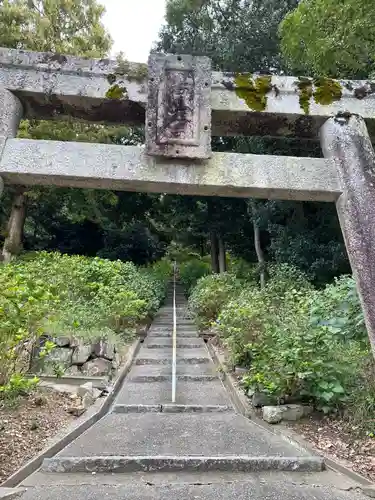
x: 298, y: 343
x: 54, y: 294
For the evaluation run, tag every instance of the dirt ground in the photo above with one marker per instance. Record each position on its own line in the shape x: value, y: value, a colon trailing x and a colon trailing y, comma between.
x: 26, y: 427
x: 339, y: 441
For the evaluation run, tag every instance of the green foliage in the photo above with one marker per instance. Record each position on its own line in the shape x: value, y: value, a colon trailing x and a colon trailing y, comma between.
x: 209, y: 295
x: 316, y: 40
x: 54, y: 294
x: 191, y: 271
x: 232, y: 32
x: 298, y: 343
x: 242, y: 269
x: 60, y: 26
x: 17, y: 385
x: 338, y: 309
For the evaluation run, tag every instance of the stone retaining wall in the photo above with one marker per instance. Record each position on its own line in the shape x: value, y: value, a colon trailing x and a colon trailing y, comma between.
x: 77, y: 357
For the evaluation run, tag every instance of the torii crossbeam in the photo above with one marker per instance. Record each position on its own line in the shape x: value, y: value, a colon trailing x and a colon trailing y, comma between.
x: 182, y: 104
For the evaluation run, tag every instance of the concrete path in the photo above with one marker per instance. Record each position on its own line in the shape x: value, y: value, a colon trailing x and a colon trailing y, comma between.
x: 199, y: 447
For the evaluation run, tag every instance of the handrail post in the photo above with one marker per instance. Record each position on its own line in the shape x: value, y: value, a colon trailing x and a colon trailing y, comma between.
x: 174, y: 339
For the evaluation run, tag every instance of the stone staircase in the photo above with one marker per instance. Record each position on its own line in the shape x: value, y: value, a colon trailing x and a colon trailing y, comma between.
x: 148, y: 448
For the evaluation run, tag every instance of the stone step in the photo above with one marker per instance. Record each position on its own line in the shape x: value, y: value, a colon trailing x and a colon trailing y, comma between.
x: 187, y: 486
x: 166, y: 343
x: 218, y: 435
x: 171, y: 408
x: 160, y: 373
x: 168, y: 333
x: 163, y: 356
x: 188, y: 393
x: 121, y: 464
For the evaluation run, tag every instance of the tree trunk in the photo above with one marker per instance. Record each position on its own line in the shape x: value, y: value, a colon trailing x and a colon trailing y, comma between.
x: 260, y: 254
x: 222, y: 256
x: 214, y: 252
x: 13, y: 241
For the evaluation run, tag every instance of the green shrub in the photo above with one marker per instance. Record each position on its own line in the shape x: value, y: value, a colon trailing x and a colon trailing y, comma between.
x: 246, y: 271
x: 209, y: 295
x: 191, y: 271
x: 297, y: 342
x: 49, y: 293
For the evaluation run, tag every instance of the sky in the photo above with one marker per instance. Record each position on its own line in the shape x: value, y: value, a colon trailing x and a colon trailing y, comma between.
x: 133, y: 25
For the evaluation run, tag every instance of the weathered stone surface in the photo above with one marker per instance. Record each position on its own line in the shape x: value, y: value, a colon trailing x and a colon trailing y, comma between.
x: 72, y: 371
x: 272, y: 414
x: 345, y: 140
x: 240, y: 371
x: 84, y: 389
x: 79, y: 87
x: 81, y: 353
x: 104, y: 349
x: 292, y: 412
x: 58, y: 356
x: 207, y: 486
x: 178, y: 113
x: 77, y: 410
x: 10, y: 114
x: 259, y: 399
x: 97, y: 367
x: 61, y: 341
x: 122, y: 464
x: 30, y: 162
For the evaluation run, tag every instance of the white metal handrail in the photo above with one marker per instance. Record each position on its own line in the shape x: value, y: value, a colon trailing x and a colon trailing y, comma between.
x: 174, y: 337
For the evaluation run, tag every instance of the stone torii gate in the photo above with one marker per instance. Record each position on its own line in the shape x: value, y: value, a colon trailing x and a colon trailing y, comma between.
x: 182, y: 104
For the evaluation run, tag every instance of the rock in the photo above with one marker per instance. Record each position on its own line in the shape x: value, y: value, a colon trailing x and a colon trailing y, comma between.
x: 58, y: 359
x: 72, y: 371
x: 81, y: 353
x: 88, y: 400
x: 61, y: 341
x: 107, y: 390
x: 292, y: 412
x: 104, y: 349
x: 307, y: 410
x: 240, y: 371
x: 77, y: 410
x: 84, y: 389
x: 260, y: 399
x: 272, y: 414
x: 97, y: 367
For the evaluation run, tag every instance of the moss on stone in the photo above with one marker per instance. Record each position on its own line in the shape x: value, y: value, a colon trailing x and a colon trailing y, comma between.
x: 253, y: 90
x: 116, y: 92
x: 327, y: 91
x: 305, y: 92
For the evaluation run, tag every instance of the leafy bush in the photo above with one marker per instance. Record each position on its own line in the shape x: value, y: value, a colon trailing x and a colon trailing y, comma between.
x: 209, y: 295
x: 191, y: 271
x: 297, y: 342
x: 242, y: 269
x: 49, y: 293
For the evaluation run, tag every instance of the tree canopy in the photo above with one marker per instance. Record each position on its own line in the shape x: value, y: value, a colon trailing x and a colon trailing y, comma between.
x: 330, y: 38
x: 62, y: 26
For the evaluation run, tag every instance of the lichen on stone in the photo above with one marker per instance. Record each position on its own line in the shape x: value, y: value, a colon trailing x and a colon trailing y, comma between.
x: 253, y: 90
x: 327, y: 90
